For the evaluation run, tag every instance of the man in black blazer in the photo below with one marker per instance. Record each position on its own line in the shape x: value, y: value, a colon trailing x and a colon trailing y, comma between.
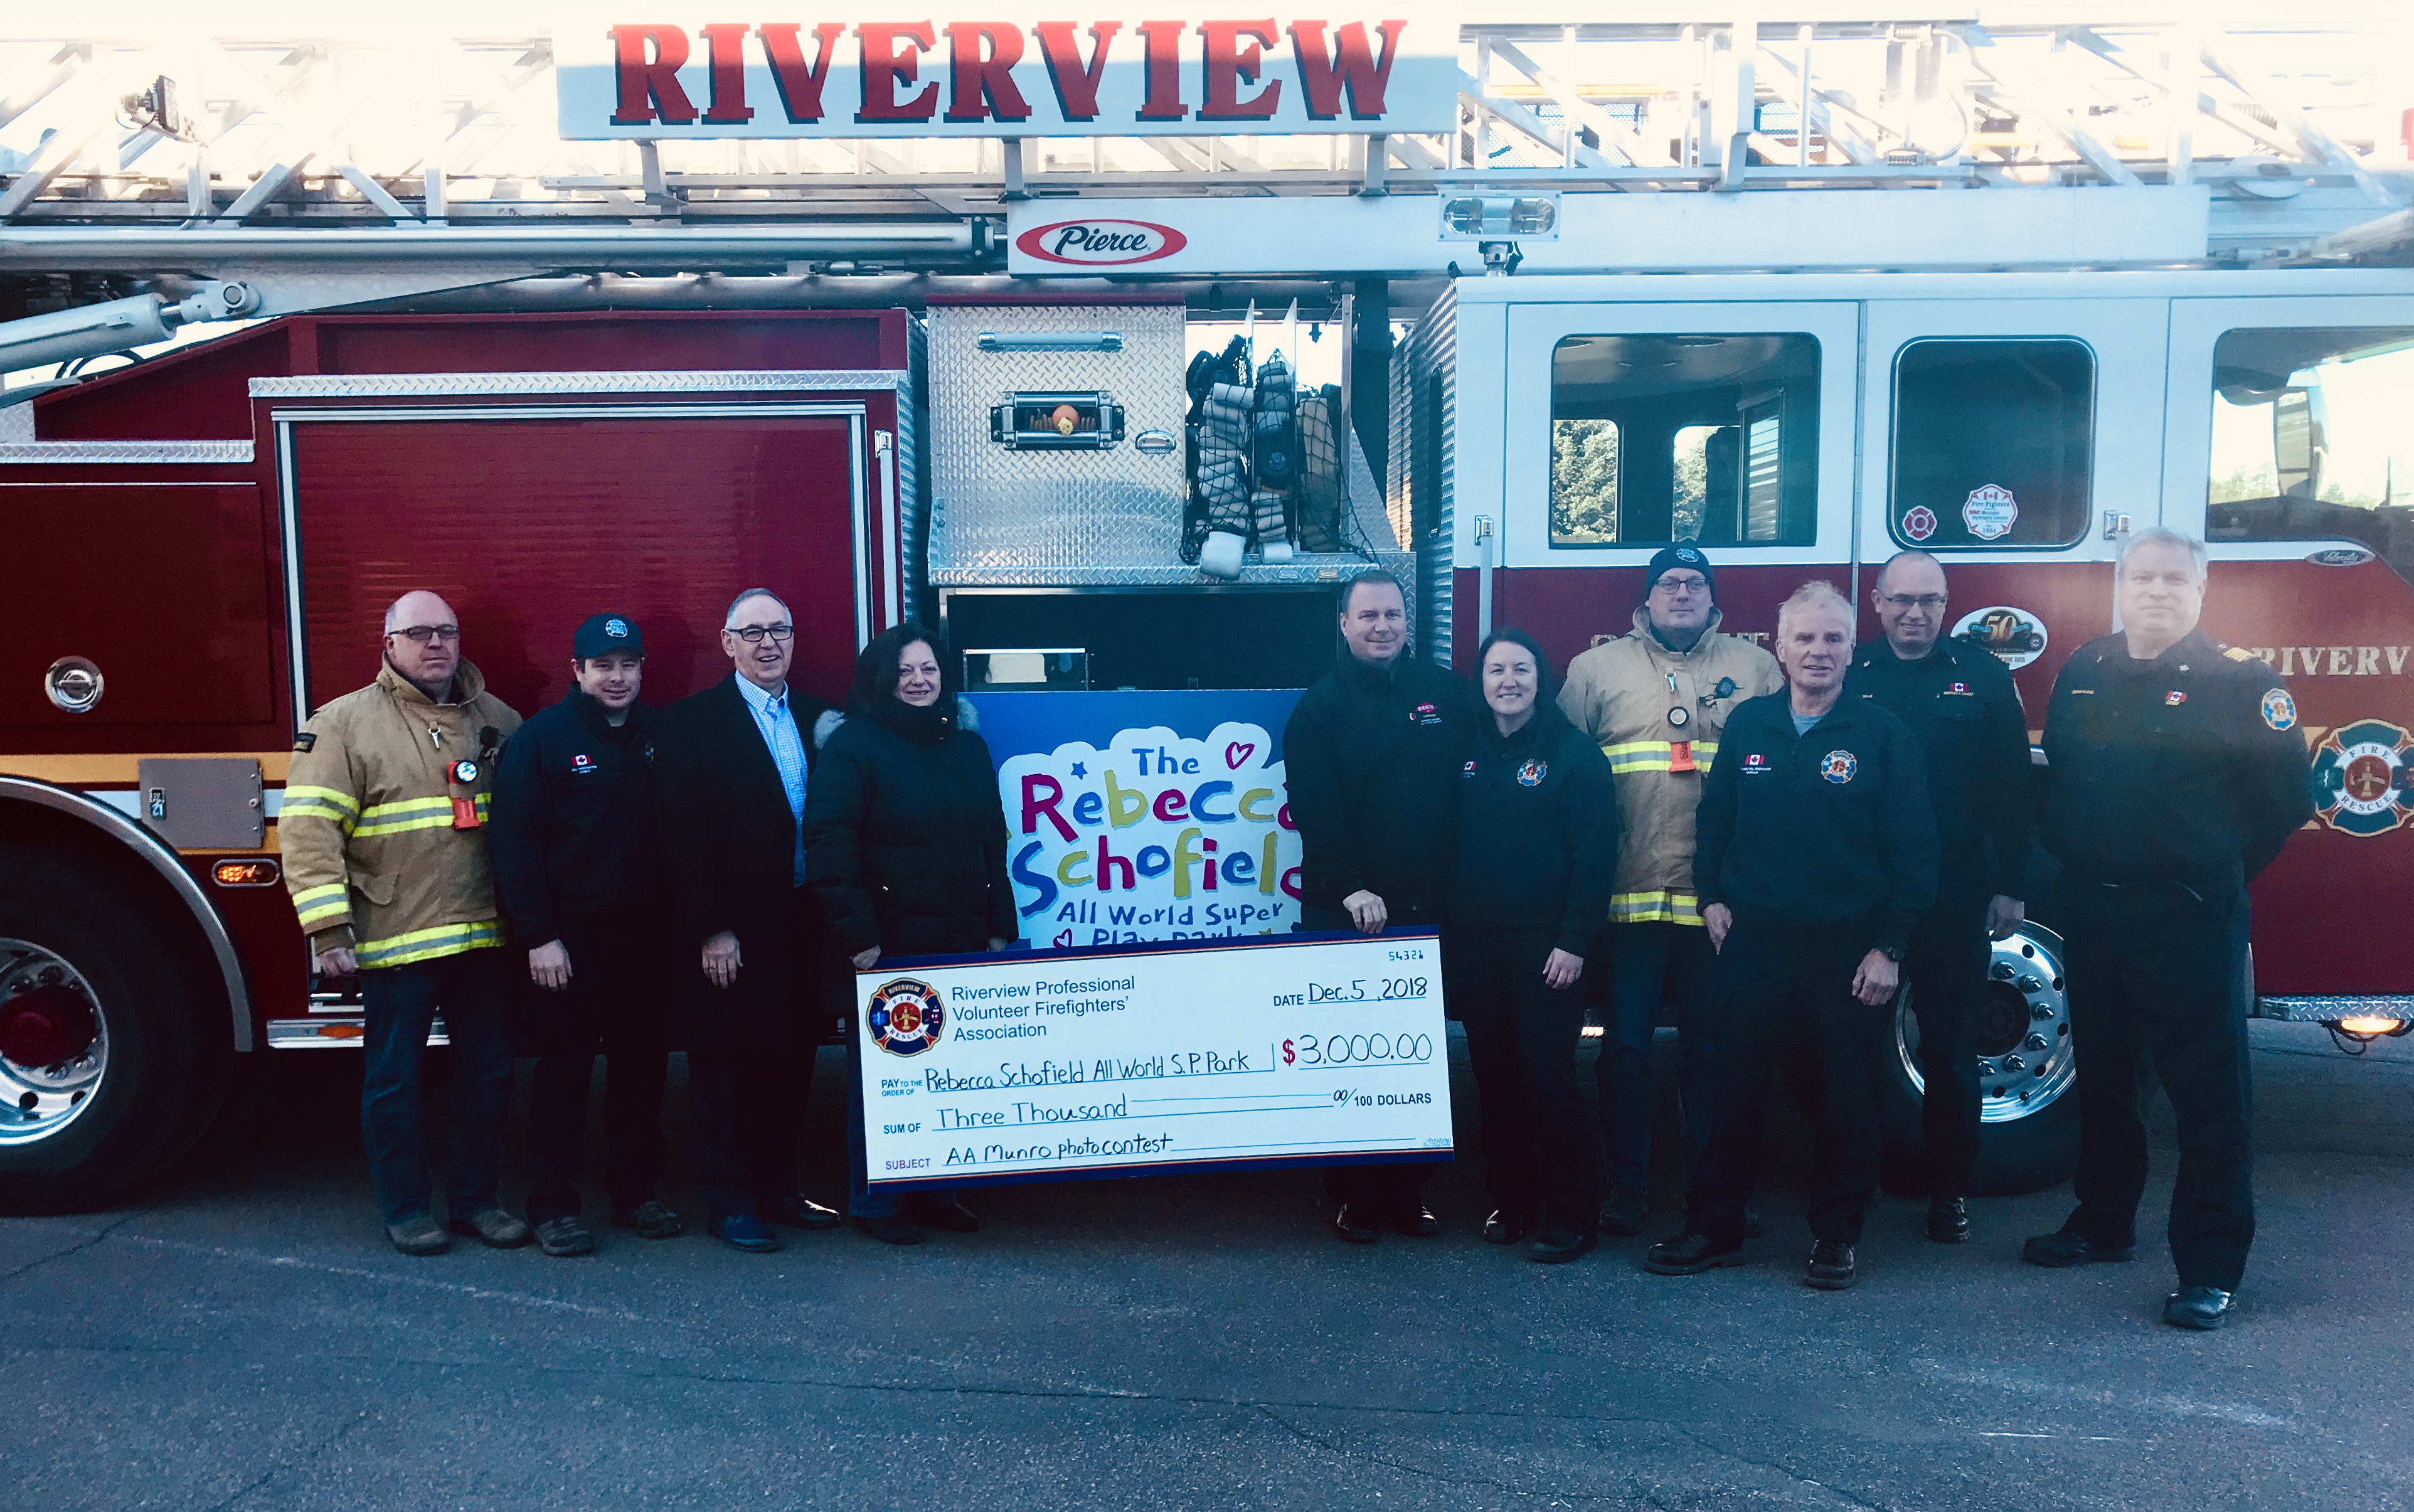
x: 755, y: 967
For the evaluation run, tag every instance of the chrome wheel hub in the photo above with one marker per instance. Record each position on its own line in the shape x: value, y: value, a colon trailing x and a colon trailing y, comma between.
x: 49, y: 1017
x: 2025, y: 1058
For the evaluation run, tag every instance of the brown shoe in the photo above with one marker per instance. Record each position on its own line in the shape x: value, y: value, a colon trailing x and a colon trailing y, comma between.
x: 494, y: 1227
x: 417, y: 1236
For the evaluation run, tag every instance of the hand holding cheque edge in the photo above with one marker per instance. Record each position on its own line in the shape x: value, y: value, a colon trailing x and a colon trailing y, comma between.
x: 1875, y: 981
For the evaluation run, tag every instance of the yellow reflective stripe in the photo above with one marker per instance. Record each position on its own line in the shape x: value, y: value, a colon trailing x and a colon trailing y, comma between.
x: 314, y: 904
x: 1654, y: 755
x: 407, y: 805
x: 310, y: 895
x: 425, y: 944
x: 418, y: 814
x: 1662, y: 906
x: 333, y: 797
x: 309, y: 917
x: 291, y: 811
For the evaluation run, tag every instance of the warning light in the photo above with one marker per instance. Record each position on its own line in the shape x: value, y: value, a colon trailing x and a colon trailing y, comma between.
x: 252, y: 872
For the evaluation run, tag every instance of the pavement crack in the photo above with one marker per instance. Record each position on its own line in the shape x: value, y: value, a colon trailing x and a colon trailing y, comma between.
x: 77, y: 1247
x: 316, y: 1451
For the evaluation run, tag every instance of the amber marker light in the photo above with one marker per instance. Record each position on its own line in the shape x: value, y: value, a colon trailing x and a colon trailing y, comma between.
x: 246, y: 873
x: 2372, y: 1025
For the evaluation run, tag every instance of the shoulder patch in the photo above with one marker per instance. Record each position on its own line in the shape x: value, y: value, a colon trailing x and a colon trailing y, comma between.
x: 2238, y: 653
x: 2279, y: 710
x: 302, y: 741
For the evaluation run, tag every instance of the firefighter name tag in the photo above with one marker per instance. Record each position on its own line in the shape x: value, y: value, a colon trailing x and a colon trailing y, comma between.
x: 1179, y: 1056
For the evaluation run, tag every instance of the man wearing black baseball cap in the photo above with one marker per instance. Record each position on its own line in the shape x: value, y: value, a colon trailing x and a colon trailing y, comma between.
x: 573, y: 843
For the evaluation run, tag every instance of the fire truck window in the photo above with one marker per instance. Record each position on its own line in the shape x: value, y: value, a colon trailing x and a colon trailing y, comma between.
x: 2310, y: 440
x: 1658, y: 439
x: 1994, y: 443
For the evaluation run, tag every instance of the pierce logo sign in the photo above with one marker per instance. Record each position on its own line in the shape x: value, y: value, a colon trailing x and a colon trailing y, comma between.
x: 1101, y: 243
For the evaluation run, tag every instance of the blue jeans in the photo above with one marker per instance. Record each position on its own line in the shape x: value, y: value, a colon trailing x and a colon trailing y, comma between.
x: 1647, y: 962
x: 398, y: 1005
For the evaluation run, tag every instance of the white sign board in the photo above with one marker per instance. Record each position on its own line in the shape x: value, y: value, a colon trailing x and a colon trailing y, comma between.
x: 1032, y: 1065
x: 1004, y: 71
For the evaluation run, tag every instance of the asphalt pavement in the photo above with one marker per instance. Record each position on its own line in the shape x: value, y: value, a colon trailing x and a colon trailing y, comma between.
x: 239, y: 1337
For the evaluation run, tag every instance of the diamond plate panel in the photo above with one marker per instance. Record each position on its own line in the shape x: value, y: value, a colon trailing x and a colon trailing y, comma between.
x: 1001, y: 516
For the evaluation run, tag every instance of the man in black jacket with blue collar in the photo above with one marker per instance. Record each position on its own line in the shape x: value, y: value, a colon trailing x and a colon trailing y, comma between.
x: 1959, y: 700
x: 757, y: 976
x: 573, y: 842
x: 1815, y: 858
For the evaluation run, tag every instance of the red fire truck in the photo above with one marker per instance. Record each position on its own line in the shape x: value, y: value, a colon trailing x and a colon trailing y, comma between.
x: 1541, y: 382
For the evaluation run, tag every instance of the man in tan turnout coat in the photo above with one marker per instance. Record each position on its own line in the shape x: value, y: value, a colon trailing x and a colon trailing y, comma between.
x: 385, y: 845
x: 1655, y: 701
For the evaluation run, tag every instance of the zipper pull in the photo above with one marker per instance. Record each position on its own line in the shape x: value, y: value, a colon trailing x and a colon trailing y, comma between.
x: 1672, y: 681
x: 435, y: 737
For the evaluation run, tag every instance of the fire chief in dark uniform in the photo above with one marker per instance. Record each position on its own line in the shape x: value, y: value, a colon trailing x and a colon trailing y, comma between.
x: 2176, y: 773
x: 1961, y: 701
x: 1817, y: 855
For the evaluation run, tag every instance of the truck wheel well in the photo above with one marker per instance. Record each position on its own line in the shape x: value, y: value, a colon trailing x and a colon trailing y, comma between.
x: 75, y: 826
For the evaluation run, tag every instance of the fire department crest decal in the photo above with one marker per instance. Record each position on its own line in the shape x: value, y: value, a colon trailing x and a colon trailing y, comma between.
x: 905, y: 1017
x: 2363, y: 778
x: 1989, y: 512
x: 1839, y: 766
x: 1532, y: 773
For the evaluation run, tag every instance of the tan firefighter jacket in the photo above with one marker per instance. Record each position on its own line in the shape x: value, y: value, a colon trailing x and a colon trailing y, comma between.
x: 371, y: 854
x: 1657, y: 714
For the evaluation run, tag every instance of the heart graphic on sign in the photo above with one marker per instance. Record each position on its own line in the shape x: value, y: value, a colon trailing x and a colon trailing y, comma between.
x: 1237, y: 753
x: 1064, y: 940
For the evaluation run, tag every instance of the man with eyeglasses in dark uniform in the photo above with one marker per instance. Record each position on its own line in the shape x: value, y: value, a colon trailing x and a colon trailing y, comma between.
x: 757, y: 971
x: 1959, y: 700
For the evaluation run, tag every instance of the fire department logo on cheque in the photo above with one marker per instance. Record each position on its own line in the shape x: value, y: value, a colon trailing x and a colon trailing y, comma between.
x: 2363, y: 778
x: 905, y: 1016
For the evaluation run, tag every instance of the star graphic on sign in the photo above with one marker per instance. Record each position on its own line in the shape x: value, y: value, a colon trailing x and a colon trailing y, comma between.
x: 1079, y: 771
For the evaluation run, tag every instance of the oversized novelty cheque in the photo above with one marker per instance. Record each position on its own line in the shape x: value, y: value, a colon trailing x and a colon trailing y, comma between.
x: 1031, y: 1065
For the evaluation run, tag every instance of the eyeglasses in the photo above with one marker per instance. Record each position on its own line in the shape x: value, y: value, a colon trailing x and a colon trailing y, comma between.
x: 752, y: 635
x: 419, y: 635
x: 1931, y: 602
x: 1684, y: 583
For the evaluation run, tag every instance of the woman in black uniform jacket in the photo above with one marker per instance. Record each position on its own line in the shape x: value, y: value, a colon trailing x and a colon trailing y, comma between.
x: 906, y: 847
x: 1535, y: 860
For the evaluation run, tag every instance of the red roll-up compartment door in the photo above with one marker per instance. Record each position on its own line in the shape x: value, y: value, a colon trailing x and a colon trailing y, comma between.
x: 529, y: 522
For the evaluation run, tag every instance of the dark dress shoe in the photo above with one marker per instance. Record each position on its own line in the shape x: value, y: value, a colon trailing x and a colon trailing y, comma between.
x: 562, y: 1237
x: 1831, y: 1267
x: 1557, y: 1247
x: 949, y: 1215
x: 651, y: 1219
x: 1623, y: 1215
x: 417, y: 1234
x: 494, y: 1227
x: 1948, y: 1219
x: 891, y: 1228
x: 1751, y: 1229
x: 1505, y: 1227
x: 2063, y: 1248
x: 1417, y: 1223
x: 1353, y: 1229
x: 798, y: 1211
x: 744, y: 1230
x: 1689, y: 1254
x: 2197, y: 1307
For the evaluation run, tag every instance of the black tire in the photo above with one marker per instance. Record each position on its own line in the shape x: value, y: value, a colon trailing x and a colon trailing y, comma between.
x: 163, y: 1011
x: 2018, y: 1154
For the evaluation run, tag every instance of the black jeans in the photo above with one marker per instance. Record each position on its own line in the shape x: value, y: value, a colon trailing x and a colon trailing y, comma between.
x: 1784, y: 992
x: 618, y: 992
x: 2161, y: 975
x: 1382, y: 1191
x: 1644, y: 962
x: 1946, y: 968
x: 1521, y: 1040
x: 397, y: 1006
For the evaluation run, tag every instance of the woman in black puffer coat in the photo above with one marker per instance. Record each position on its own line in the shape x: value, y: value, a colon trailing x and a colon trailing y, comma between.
x: 906, y: 847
